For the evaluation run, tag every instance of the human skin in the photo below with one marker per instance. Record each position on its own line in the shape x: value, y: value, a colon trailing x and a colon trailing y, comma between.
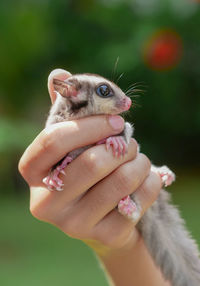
x: 93, y: 185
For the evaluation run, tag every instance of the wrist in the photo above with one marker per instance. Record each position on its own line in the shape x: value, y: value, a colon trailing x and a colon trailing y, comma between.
x: 105, y: 252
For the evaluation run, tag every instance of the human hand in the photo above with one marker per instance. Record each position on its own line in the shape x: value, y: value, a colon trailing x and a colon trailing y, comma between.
x: 94, y: 182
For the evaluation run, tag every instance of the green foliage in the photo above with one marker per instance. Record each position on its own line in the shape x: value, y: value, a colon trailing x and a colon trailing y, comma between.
x: 88, y: 36
x: 15, y: 135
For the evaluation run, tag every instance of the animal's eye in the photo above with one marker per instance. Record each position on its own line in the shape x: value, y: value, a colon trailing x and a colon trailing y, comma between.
x: 104, y: 91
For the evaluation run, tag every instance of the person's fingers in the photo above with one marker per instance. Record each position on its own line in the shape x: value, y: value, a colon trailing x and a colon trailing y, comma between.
x: 113, y: 231
x: 105, y: 196
x: 58, y: 74
x: 91, y: 166
x: 148, y: 192
x: 54, y: 142
x: 115, y: 228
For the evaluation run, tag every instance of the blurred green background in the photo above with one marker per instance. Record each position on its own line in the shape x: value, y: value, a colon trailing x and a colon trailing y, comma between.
x: 158, y: 46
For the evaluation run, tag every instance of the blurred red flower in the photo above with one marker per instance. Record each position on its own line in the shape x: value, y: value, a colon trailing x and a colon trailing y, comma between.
x: 163, y: 50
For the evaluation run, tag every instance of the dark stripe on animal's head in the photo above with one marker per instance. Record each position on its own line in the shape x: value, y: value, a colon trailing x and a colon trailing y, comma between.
x: 76, y: 106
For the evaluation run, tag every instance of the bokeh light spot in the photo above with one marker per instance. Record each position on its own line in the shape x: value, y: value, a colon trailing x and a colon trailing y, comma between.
x: 163, y: 50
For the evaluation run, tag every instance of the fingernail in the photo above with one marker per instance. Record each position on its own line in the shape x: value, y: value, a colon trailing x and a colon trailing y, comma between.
x: 117, y: 122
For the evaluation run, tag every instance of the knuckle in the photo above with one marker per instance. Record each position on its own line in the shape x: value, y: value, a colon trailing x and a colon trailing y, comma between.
x: 40, y: 206
x: 73, y: 226
x: 152, y: 187
x: 24, y: 164
x: 48, y: 138
x: 37, y: 213
x: 22, y: 167
x: 124, y: 180
x: 91, y: 163
x: 146, y: 161
x: 134, y: 144
x: 132, y: 149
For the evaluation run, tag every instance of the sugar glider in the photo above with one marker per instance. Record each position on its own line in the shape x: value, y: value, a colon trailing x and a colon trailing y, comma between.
x: 163, y: 230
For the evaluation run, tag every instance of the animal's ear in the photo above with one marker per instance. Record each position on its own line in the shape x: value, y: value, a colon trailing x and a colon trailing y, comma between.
x: 59, y: 74
x: 65, y: 87
x: 60, y: 85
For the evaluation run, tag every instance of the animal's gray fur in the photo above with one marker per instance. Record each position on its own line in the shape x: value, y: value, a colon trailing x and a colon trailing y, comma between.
x: 168, y: 241
x: 170, y: 244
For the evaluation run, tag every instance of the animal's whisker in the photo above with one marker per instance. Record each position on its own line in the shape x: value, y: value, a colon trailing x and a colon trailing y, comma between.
x: 120, y: 76
x: 137, y: 84
x: 114, y: 69
x: 139, y: 88
x: 136, y: 90
x: 132, y: 92
x: 133, y: 95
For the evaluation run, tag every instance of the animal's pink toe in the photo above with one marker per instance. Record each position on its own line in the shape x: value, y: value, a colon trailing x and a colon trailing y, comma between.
x: 127, y: 207
x: 118, y: 145
x: 52, y: 181
x: 124, y: 145
x: 115, y: 146
x: 46, y: 182
x: 103, y: 141
x: 55, y: 177
x: 167, y: 176
x: 108, y: 143
x: 64, y: 163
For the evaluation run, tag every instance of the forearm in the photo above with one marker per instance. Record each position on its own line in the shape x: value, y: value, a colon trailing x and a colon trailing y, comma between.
x: 131, y: 266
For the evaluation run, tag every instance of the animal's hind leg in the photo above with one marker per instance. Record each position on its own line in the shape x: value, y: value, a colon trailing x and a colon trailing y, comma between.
x: 167, y: 176
x: 130, y: 208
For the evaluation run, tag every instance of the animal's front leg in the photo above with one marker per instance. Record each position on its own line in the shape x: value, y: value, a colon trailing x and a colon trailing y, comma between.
x: 52, y: 181
x: 119, y: 143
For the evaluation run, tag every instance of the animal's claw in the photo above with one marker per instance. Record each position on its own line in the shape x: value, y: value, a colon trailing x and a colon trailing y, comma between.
x: 167, y: 176
x: 118, y: 145
x: 128, y: 208
x: 52, y: 181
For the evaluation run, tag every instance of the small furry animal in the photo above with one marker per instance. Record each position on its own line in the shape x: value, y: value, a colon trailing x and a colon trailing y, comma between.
x: 163, y: 230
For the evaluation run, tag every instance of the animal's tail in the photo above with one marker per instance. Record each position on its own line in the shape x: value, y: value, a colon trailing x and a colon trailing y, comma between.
x: 170, y: 244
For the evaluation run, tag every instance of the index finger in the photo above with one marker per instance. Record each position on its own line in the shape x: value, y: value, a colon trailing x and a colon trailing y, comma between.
x: 55, y: 141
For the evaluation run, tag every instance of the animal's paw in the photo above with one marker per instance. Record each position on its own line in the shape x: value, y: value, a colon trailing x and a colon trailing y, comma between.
x: 167, y: 176
x: 118, y: 145
x: 128, y: 208
x: 52, y: 181
x: 103, y: 141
